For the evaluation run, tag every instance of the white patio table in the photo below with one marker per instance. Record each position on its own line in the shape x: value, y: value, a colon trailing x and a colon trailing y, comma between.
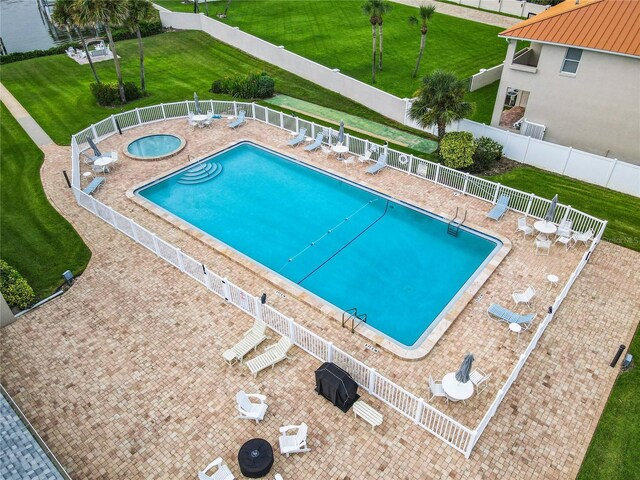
x: 545, y: 228
x: 456, y: 390
x: 200, y: 119
x: 340, y: 150
x: 103, y: 163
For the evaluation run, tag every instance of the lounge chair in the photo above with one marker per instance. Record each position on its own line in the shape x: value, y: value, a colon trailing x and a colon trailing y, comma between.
x: 524, y: 227
x: 316, y: 144
x: 499, y: 208
x: 379, y: 165
x: 436, y: 389
x: 584, y: 237
x: 251, y: 410
x: 272, y: 355
x: 238, y: 121
x: 296, y: 443
x: 251, y: 339
x: 299, y: 138
x: 524, y: 297
x: 93, y: 186
x: 506, y: 315
x: 222, y: 472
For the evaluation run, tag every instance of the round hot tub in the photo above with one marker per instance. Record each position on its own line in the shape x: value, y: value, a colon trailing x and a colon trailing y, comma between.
x: 155, y: 147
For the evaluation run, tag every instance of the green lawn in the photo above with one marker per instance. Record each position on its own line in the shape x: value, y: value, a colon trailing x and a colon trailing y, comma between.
x: 34, y: 238
x: 55, y: 90
x: 484, y: 99
x: 622, y: 211
x: 611, y: 453
x: 338, y: 35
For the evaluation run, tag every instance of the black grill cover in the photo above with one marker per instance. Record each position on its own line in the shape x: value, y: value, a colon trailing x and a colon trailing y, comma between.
x: 337, y: 386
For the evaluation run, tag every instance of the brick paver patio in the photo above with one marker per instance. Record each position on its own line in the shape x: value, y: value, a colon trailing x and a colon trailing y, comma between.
x: 123, y: 376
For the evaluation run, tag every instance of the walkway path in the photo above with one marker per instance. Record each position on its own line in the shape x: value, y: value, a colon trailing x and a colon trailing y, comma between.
x: 35, y: 131
x: 466, y: 13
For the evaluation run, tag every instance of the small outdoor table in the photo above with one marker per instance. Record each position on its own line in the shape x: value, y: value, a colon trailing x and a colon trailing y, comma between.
x: 340, y: 150
x: 200, y: 119
x: 255, y: 458
x: 545, y: 228
x: 456, y: 390
x: 103, y: 163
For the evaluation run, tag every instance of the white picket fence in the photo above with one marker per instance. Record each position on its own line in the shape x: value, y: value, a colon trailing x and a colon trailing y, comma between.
x: 447, y: 429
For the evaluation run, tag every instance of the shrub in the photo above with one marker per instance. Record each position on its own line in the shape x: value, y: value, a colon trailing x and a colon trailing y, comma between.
x: 254, y: 85
x: 488, y: 152
x: 456, y: 149
x: 108, y: 95
x: 15, y: 289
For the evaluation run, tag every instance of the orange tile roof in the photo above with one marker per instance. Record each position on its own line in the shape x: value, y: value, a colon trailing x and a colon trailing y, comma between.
x: 608, y: 25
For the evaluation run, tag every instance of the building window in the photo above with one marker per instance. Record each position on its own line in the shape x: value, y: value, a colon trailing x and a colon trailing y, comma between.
x: 571, y: 61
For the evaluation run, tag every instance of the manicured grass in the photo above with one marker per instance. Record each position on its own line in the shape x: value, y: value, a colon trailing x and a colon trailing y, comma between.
x: 34, y: 238
x: 55, y: 90
x: 338, y: 35
x: 619, y: 209
x: 613, y: 453
x: 484, y: 99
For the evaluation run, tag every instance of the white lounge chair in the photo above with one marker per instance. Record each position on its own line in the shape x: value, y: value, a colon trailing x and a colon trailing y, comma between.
x: 584, y: 237
x: 544, y: 246
x: 524, y: 227
x: 251, y: 339
x: 272, y: 355
x: 479, y: 379
x: 296, y: 443
x: 249, y: 410
x: 525, y: 296
x: 222, y: 472
x: 436, y: 389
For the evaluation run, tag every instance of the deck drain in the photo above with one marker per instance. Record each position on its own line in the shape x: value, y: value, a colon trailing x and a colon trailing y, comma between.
x: 371, y: 347
x: 280, y: 294
x: 479, y: 297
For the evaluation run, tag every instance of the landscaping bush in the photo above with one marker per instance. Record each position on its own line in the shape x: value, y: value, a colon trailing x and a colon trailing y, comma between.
x: 488, y: 152
x: 456, y: 149
x: 254, y: 85
x: 108, y: 95
x: 15, y: 289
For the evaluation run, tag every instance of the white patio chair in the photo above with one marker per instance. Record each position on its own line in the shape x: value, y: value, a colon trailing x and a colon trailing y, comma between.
x: 524, y: 227
x: 349, y: 161
x: 436, y: 390
x: 584, y: 237
x: 295, y: 443
x: 251, y: 339
x: 278, y: 477
x: 544, y: 246
x: 564, y: 229
x: 525, y: 296
x: 191, y: 122
x: 272, y: 355
x: 480, y: 380
x: 568, y: 241
x: 249, y: 410
x: 222, y: 472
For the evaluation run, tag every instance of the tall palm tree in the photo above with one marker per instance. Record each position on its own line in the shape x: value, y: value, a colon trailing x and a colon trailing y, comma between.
x: 64, y: 14
x: 139, y: 11
x: 425, y: 12
x: 370, y: 8
x: 384, y: 7
x: 440, y: 101
x: 105, y: 13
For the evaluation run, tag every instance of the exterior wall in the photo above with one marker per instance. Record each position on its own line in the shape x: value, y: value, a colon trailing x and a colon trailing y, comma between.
x: 597, y: 110
x: 485, y: 78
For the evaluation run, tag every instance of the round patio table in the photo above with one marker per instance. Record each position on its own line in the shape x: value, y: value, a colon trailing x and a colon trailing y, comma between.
x: 544, y: 227
x: 103, y: 163
x: 340, y: 150
x: 255, y: 458
x: 456, y: 390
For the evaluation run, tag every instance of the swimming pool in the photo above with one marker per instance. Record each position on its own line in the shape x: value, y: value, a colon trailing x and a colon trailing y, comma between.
x: 348, y: 245
x: 155, y: 147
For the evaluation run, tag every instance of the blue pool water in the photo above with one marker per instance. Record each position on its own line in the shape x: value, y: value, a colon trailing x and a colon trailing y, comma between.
x: 153, y: 146
x: 345, y: 244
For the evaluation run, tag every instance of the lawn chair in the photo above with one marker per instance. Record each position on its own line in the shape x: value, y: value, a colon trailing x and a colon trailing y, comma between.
x: 298, y: 139
x: 584, y: 237
x: 251, y: 339
x: 480, y: 380
x: 272, y: 355
x: 436, y: 390
x: 506, y: 315
x: 221, y: 472
x: 238, y: 121
x: 543, y: 245
x: 499, y: 208
x: 251, y: 410
x: 524, y: 297
x: 367, y: 155
x: 93, y: 186
x: 296, y: 443
x: 379, y: 165
x: 564, y: 229
x: 524, y: 227
x: 316, y: 144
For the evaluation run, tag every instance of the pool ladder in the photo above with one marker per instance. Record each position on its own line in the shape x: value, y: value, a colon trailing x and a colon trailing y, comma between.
x: 454, y: 225
x: 352, y: 314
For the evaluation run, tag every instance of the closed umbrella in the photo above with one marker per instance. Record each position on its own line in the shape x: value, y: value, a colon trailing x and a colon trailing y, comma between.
x: 341, y: 133
x: 197, y: 102
x: 552, y: 209
x: 462, y: 375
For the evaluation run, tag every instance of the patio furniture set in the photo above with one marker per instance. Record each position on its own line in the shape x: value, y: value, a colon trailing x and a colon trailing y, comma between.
x: 100, y: 163
x: 454, y: 390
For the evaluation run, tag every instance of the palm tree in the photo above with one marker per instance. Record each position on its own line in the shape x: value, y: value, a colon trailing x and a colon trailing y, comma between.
x: 371, y: 8
x: 64, y: 15
x: 139, y: 11
x: 384, y: 7
x: 425, y: 12
x: 440, y: 101
x: 106, y: 13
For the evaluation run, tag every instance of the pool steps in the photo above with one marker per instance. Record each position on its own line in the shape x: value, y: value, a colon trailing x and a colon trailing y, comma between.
x: 200, y: 173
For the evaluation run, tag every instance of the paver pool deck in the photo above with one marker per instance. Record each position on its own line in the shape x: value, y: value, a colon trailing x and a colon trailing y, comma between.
x: 123, y: 374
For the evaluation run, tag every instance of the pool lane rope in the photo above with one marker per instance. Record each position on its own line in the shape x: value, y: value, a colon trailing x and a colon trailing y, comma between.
x: 386, y: 208
x: 326, y: 234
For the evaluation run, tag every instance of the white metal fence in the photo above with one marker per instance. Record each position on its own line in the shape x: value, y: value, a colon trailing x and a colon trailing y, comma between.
x: 450, y: 431
x: 512, y: 7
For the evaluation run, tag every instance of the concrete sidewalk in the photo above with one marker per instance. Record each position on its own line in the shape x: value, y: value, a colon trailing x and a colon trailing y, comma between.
x: 467, y: 13
x: 26, y: 121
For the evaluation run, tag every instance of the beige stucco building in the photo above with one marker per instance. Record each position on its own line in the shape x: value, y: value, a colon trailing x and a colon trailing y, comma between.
x: 580, y: 77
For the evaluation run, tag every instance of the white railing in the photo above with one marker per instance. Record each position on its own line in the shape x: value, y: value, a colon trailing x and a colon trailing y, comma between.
x: 450, y: 431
